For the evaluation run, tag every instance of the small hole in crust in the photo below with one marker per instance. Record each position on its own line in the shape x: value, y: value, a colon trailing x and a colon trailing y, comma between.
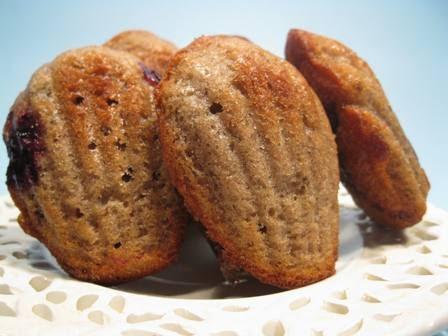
x: 5, y: 310
x: 138, y: 318
x: 335, y: 308
x: 156, y: 175
x: 78, y: 100
x: 39, y: 283
x: 86, y: 301
x: 92, y: 146
x: 106, y: 130
x: 120, y: 145
x: 78, y: 213
x: 187, y: 314
x: 117, y: 303
x: 299, y: 303
x: 117, y: 245
x: 111, y: 102
x: 232, y: 145
x: 177, y: 328
x: 43, y: 311
x: 273, y: 328
x: 215, y: 108
x: 352, y: 330
x: 262, y: 228
x: 56, y: 297
x: 127, y: 175
x: 39, y: 213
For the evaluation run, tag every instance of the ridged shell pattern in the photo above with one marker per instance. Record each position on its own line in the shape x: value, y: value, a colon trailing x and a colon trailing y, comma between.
x: 248, y: 146
x: 102, y: 202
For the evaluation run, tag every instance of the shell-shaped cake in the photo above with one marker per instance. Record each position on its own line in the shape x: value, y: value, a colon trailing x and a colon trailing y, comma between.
x: 156, y: 53
x: 378, y: 165
x: 86, y: 169
x: 153, y: 51
x: 248, y: 146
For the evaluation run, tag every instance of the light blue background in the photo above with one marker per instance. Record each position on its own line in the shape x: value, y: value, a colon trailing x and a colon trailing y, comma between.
x: 405, y: 42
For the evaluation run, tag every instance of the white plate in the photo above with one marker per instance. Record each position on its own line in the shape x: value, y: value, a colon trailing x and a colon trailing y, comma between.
x: 387, y: 283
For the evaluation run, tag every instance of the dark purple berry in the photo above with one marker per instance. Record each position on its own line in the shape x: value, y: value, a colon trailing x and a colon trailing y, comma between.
x: 23, y: 139
x: 150, y: 76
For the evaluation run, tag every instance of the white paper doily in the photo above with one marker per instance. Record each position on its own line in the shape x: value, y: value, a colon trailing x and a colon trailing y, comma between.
x: 387, y: 283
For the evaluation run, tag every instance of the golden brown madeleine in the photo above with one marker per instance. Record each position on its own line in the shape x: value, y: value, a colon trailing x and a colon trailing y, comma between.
x: 248, y: 146
x: 154, y: 52
x: 86, y: 169
x: 378, y: 164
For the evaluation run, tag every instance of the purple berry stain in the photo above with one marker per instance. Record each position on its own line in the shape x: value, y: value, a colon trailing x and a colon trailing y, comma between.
x: 22, y: 136
x: 150, y: 76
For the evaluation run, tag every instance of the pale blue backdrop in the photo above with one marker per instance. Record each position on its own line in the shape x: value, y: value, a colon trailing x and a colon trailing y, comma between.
x: 405, y: 42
